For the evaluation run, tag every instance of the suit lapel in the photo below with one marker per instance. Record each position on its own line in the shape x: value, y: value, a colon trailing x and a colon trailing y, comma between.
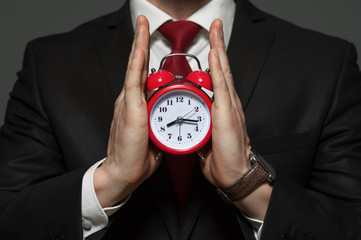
x: 248, y: 49
x: 114, y: 46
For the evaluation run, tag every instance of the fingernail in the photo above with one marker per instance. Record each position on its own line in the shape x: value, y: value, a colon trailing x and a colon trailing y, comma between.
x: 201, y: 156
x: 220, y: 32
x: 159, y: 156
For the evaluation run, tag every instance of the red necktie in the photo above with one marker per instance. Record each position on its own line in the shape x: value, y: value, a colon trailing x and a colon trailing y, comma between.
x: 180, y: 34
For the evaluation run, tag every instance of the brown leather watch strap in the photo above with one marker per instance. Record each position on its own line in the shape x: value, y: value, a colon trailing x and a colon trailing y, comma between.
x: 245, y: 185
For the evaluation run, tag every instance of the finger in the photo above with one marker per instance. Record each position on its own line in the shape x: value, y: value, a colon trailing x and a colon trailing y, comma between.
x: 220, y: 87
x: 131, y: 54
x: 143, y: 42
x: 139, y: 35
x: 138, y: 62
x: 216, y: 39
x: 132, y: 84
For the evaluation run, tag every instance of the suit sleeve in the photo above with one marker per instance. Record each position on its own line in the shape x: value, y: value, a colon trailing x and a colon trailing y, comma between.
x: 330, y: 208
x: 39, y: 197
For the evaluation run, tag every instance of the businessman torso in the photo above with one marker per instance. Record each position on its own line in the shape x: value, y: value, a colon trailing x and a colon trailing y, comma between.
x: 287, y: 79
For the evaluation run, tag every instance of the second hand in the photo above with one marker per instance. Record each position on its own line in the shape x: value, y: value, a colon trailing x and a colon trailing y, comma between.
x: 190, y: 111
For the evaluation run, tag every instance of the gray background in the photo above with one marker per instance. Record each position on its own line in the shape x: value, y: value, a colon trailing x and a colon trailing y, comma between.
x: 24, y: 20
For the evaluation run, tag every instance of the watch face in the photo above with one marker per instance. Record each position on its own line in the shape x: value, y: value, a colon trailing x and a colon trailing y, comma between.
x: 180, y: 120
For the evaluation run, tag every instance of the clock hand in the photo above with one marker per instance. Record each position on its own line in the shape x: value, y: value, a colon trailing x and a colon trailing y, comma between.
x: 190, y: 111
x: 190, y: 120
x: 172, y: 123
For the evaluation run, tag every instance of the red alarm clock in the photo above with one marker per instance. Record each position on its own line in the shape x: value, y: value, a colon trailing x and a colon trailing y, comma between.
x: 179, y: 110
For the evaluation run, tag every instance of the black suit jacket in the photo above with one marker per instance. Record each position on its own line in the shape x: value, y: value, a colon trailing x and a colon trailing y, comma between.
x: 300, y: 92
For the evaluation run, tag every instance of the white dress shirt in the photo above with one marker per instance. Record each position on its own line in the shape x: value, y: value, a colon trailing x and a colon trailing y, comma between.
x: 94, y: 217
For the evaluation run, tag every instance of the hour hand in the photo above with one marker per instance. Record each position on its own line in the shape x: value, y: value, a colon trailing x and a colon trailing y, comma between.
x: 172, y: 123
x: 178, y: 120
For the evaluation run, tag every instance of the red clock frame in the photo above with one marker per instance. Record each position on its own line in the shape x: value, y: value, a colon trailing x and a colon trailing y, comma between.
x: 167, y: 89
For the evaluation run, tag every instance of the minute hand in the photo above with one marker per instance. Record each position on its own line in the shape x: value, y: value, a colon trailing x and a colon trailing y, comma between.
x: 189, y: 120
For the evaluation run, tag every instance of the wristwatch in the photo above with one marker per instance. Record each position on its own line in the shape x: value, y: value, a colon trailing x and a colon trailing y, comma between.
x: 260, y: 172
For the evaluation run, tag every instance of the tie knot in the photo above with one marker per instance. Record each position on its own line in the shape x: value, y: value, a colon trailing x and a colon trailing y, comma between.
x: 179, y: 33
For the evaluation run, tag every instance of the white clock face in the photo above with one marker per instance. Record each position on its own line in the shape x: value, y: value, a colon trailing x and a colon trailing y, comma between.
x: 180, y: 119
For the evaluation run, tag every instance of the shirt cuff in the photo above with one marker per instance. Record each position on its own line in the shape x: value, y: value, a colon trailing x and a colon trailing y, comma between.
x: 94, y: 217
x: 256, y: 226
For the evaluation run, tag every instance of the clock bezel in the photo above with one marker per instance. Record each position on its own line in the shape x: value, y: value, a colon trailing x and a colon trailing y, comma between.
x: 175, y: 87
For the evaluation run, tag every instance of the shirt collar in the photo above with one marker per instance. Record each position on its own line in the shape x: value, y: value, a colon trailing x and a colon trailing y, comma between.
x: 155, y: 16
x: 222, y: 9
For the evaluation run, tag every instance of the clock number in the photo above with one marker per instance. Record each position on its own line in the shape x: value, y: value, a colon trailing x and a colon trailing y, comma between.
x: 179, y: 99
x: 196, y: 129
x: 196, y: 109
x: 162, y: 129
x: 169, y: 102
x: 169, y: 135
x: 179, y: 138
x: 189, y: 136
x: 160, y: 119
x: 189, y: 102
x: 199, y: 119
x: 163, y: 109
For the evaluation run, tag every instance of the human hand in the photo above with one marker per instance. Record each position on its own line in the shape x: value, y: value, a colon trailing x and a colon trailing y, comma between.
x: 227, y: 159
x: 130, y: 160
